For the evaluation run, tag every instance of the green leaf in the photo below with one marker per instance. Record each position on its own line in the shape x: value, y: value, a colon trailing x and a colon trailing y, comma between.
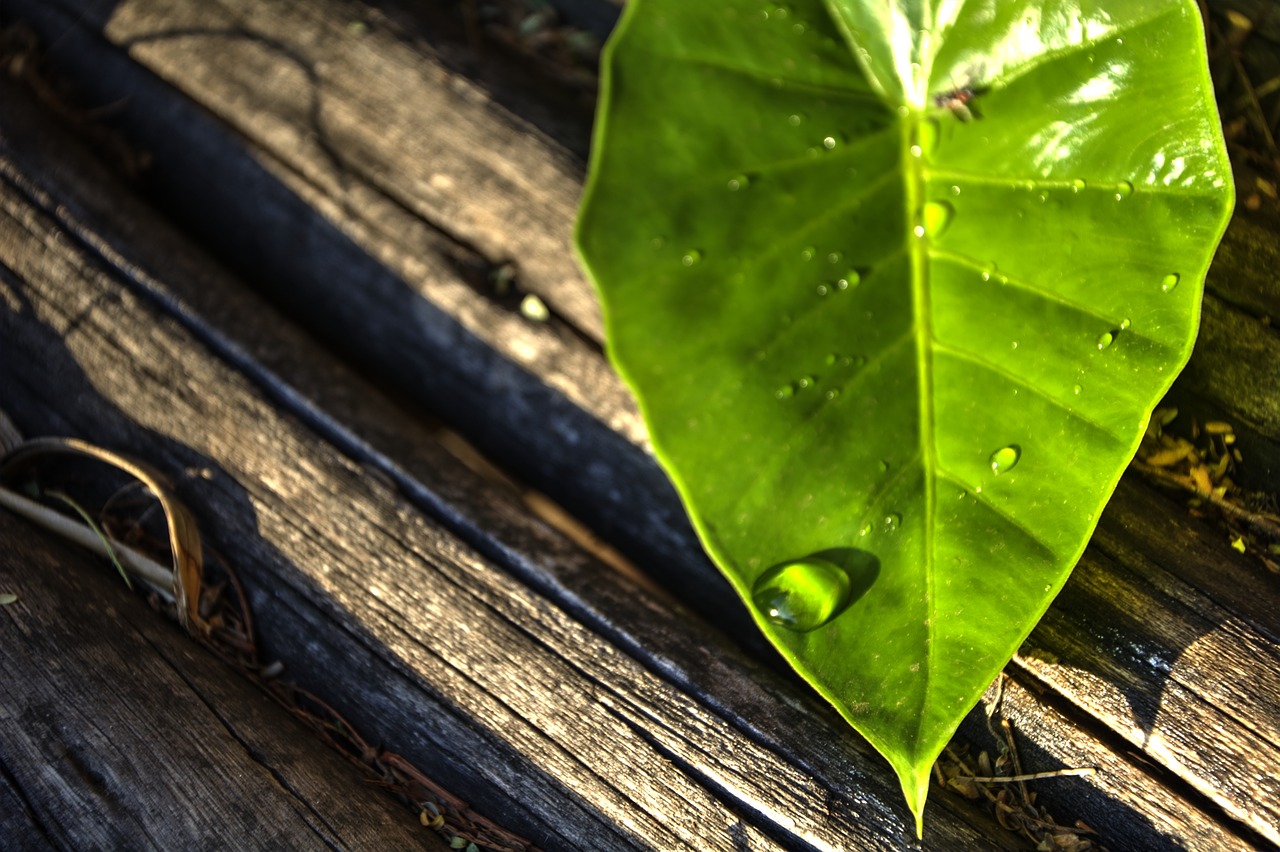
x: 897, y: 287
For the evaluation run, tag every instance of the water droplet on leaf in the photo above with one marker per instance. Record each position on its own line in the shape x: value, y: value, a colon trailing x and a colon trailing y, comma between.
x: 1170, y: 282
x: 1003, y: 459
x: 1123, y: 190
x: 691, y: 257
x: 829, y: 142
x: 807, y: 253
x: 1124, y: 323
x: 891, y: 522
x: 802, y: 595
x: 935, y: 217
x: 739, y: 182
x: 1077, y: 185
x: 1105, y: 339
x: 795, y: 119
x: 785, y: 392
x: 1077, y: 389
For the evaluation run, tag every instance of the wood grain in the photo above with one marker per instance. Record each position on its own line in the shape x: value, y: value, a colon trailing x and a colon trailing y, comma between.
x: 119, y: 733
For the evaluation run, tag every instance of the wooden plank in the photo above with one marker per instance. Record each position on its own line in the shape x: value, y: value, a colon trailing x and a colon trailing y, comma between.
x: 571, y: 719
x: 517, y: 411
x: 118, y: 732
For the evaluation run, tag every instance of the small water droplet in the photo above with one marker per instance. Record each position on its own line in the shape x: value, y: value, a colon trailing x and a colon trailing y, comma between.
x: 691, y: 257
x: 884, y: 465
x: 739, y: 182
x: 808, y: 252
x: 1123, y: 190
x: 891, y: 522
x: 1004, y: 459
x: 1124, y: 324
x: 832, y: 394
x: 798, y: 29
x: 534, y: 309
x: 1044, y: 197
x: 1077, y: 185
x: 805, y: 382
x: 1170, y: 282
x: 918, y: 230
x: 829, y: 142
x: 955, y: 190
x: 785, y: 392
x: 849, y: 279
x: 834, y: 257
x: 915, y: 151
x: 1014, y: 345
x: 823, y: 289
x: 935, y: 217
x: 802, y: 595
x: 795, y: 119
x: 1076, y: 390
x: 831, y: 359
x: 1105, y: 339
x: 657, y: 242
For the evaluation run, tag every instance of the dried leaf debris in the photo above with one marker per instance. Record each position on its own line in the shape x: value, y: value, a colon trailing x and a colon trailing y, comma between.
x: 138, y: 522
x: 1202, y: 467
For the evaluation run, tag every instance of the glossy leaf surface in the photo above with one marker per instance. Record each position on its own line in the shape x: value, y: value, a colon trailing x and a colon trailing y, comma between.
x: 897, y: 287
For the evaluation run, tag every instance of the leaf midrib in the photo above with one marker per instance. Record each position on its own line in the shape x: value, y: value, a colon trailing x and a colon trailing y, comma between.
x: 914, y: 190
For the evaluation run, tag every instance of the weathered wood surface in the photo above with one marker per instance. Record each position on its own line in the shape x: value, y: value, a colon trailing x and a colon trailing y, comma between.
x: 1153, y: 635
x: 118, y: 732
x: 590, y: 716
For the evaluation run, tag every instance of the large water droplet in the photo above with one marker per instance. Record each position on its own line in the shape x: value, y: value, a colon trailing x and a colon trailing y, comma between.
x: 1078, y: 184
x: 828, y: 142
x: 1170, y: 282
x: 935, y: 217
x: 1123, y: 190
x: 891, y: 522
x: 802, y: 595
x: 691, y: 257
x: 1003, y: 459
x: 1106, y: 339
